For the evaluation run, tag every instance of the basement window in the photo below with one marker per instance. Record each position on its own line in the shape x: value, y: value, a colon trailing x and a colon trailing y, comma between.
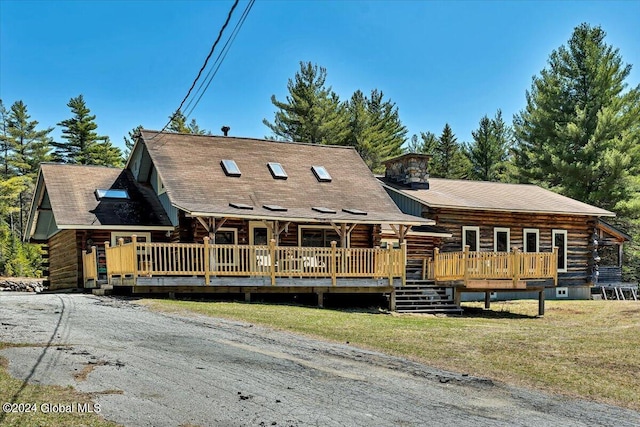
x: 321, y: 173
x: 111, y: 194
x: 230, y: 167
x: 277, y: 171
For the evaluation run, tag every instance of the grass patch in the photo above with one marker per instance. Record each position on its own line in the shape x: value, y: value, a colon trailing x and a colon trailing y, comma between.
x: 13, y: 390
x: 585, y: 349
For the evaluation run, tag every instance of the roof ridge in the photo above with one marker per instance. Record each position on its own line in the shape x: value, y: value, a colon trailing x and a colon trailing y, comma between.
x: 78, y: 165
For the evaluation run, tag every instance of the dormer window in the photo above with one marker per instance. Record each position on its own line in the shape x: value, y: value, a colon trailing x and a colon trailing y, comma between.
x: 230, y: 167
x: 111, y: 193
x: 321, y: 173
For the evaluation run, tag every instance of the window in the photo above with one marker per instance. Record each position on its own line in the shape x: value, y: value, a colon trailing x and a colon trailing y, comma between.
x: 471, y: 237
x: 224, y: 256
x: 275, y: 208
x: 277, y: 171
x: 160, y: 185
x: 390, y: 243
x: 111, y: 194
x: 241, y: 206
x: 323, y: 210
x: 560, y: 242
x: 354, y: 211
x: 501, y: 239
x: 126, y: 236
x: 531, y: 238
x: 317, y: 236
x: 230, y: 167
x: 321, y: 173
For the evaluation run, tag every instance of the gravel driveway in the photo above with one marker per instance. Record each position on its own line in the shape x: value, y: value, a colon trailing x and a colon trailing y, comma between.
x: 172, y: 370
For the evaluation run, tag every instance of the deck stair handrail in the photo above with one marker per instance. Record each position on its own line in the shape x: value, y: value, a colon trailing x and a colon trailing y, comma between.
x: 515, y: 265
x: 211, y: 260
x: 90, y: 265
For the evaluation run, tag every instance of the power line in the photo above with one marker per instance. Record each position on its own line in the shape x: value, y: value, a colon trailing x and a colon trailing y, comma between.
x: 219, y: 60
x: 213, y: 47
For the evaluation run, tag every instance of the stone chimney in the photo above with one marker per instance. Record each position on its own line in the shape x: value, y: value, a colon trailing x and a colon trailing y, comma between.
x: 410, y: 169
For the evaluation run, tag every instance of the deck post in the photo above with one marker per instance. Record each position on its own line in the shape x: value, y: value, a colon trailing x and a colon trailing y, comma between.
x: 516, y: 266
x: 390, y: 264
x: 207, y: 262
x: 487, y: 300
x: 320, y: 299
x: 134, y: 243
x: 84, y: 269
x: 392, y: 300
x: 541, y: 302
x: 121, y: 264
x: 436, y: 252
x: 555, y: 266
x: 465, y: 269
x: 272, y: 264
x: 106, y: 249
x: 403, y: 263
x: 333, y: 264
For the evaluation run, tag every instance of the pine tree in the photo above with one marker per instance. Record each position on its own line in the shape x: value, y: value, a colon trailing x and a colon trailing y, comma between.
x: 312, y: 112
x: 580, y: 131
x: 178, y: 124
x: 375, y: 129
x: 83, y: 142
x: 449, y: 161
x: 130, y: 139
x: 425, y: 145
x: 5, y: 145
x: 489, y: 150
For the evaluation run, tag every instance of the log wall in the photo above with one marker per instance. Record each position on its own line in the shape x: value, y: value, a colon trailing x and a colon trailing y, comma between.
x: 580, y: 230
x: 64, y: 263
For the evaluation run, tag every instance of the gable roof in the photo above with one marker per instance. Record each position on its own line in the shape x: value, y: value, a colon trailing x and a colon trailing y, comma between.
x: 66, y: 195
x: 189, y: 167
x: 495, y: 196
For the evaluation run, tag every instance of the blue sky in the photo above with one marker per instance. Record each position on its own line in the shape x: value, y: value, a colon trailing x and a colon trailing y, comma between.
x: 438, y: 61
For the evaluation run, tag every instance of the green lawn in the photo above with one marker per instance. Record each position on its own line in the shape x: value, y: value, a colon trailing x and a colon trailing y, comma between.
x: 589, y: 349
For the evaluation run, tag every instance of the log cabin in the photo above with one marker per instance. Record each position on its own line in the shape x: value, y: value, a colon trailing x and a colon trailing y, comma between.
x: 193, y: 213
x: 491, y: 217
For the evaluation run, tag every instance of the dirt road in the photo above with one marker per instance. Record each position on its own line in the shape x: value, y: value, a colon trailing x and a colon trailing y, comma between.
x: 174, y: 370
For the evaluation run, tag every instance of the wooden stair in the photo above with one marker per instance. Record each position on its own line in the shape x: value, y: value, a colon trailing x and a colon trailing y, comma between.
x: 423, y: 296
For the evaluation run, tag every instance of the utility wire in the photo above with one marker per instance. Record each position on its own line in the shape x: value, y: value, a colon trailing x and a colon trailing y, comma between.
x: 219, y: 60
x: 213, y: 47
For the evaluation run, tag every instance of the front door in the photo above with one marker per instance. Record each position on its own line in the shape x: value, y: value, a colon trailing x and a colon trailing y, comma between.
x: 260, y: 235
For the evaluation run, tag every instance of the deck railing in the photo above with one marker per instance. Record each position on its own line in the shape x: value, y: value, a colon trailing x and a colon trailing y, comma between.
x: 516, y: 265
x: 90, y: 265
x: 204, y: 259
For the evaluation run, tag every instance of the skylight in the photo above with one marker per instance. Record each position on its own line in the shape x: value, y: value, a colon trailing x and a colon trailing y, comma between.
x: 354, y: 211
x: 321, y: 173
x: 323, y: 210
x: 275, y: 208
x: 277, y: 171
x: 241, y: 206
x: 230, y: 167
x: 111, y: 193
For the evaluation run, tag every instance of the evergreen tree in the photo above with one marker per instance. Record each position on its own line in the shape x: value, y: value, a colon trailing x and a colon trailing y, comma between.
x: 489, y: 150
x: 312, y: 112
x: 449, y: 161
x: 130, y: 139
x: 426, y: 144
x: 83, y: 146
x: 5, y: 145
x: 579, y: 133
x: 375, y: 129
x: 106, y: 154
x: 178, y: 124
x: 29, y: 147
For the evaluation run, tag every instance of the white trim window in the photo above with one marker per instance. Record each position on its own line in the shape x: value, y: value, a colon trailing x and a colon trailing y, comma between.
x: 559, y: 240
x: 222, y: 256
x: 530, y: 240
x: 501, y: 239
x: 471, y: 237
x: 126, y: 236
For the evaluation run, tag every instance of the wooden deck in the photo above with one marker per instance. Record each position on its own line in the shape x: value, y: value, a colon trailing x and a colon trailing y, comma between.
x: 201, y: 265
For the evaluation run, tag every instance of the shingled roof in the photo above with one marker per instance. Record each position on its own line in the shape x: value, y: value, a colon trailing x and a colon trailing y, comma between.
x: 68, y: 192
x: 495, y: 196
x: 189, y: 167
